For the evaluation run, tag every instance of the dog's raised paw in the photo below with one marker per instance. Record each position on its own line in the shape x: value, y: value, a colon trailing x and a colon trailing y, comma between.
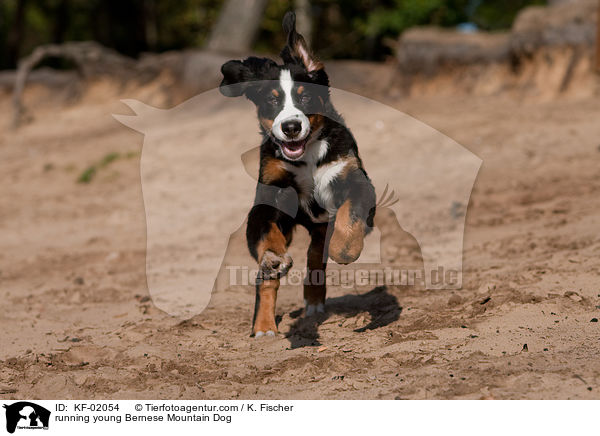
x: 273, y: 266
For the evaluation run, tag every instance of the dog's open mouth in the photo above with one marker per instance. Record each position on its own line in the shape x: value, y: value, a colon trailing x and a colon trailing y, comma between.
x: 293, y: 149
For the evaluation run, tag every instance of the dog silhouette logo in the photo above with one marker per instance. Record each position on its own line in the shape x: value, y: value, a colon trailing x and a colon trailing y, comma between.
x: 26, y: 415
x: 197, y: 193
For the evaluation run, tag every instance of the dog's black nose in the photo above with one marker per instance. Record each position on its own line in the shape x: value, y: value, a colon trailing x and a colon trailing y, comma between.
x: 291, y: 128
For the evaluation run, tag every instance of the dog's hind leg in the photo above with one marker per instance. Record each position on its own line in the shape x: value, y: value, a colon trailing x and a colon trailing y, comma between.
x: 314, y: 283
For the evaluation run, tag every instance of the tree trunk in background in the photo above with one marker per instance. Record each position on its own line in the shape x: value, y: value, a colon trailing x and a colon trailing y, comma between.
x: 304, y: 19
x: 16, y: 34
x: 237, y: 26
x: 150, y: 21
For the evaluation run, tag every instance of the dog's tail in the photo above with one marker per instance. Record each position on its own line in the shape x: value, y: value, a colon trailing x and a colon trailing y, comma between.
x: 387, y: 199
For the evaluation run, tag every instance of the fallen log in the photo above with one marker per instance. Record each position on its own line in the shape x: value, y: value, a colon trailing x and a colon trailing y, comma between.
x: 91, y: 59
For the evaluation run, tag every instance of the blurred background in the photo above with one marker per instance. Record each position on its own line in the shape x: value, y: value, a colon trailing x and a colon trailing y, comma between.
x: 384, y: 48
x: 515, y: 82
x: 359, y: 29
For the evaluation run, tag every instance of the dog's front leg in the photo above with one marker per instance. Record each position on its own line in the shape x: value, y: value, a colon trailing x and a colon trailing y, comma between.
x: 269, y: 234
x: 354, y: 217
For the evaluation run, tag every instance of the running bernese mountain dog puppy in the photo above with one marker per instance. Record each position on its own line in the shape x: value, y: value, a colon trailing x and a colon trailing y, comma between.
x: 308, y: 156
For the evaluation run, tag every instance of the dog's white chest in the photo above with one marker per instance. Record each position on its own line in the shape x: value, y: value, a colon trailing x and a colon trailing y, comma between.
x: 314, y: 184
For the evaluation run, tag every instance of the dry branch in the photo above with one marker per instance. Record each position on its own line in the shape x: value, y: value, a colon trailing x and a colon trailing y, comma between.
x: 92, y: 60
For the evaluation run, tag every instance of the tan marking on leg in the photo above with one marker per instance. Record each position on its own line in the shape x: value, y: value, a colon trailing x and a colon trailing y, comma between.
x: 272, y: 170
x: 265, y: 312
x: 348, y: 235
x: 274, y: 244
x: 273, y: 241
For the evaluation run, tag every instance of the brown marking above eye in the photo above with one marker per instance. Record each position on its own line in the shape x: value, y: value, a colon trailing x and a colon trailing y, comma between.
x: 300, y: 89
x: 275, y: 93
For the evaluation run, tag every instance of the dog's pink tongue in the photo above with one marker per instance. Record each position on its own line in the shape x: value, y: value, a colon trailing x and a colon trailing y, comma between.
x: 293, y: 149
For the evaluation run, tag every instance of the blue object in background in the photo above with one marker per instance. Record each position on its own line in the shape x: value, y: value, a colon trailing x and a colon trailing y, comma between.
x: 467, y: 28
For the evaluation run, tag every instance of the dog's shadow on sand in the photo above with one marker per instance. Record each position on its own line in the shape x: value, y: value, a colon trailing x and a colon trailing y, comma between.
x: 382, y: 307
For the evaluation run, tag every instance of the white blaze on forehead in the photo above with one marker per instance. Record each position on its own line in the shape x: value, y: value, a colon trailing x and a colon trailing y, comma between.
x: 287, y: 83
x: 289, y: 111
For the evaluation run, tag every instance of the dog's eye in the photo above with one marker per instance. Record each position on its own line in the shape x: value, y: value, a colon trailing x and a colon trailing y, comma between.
x: 272, y: 100
x: 304, y: 98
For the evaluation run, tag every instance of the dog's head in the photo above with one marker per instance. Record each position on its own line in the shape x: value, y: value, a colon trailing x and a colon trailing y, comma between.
x: 291, y: 98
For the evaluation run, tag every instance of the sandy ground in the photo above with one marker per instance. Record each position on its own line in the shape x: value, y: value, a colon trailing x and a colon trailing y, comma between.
x: 78, y: 320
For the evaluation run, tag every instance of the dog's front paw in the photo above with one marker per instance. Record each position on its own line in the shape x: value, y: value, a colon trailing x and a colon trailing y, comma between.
x: 347, y: 242
x: 273, y: 266
x: 264, y: 326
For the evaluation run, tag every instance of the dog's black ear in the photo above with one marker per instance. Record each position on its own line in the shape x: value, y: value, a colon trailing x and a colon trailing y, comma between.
x: 296, y: 50
x: 239, y: 75
x: 235, y: 78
